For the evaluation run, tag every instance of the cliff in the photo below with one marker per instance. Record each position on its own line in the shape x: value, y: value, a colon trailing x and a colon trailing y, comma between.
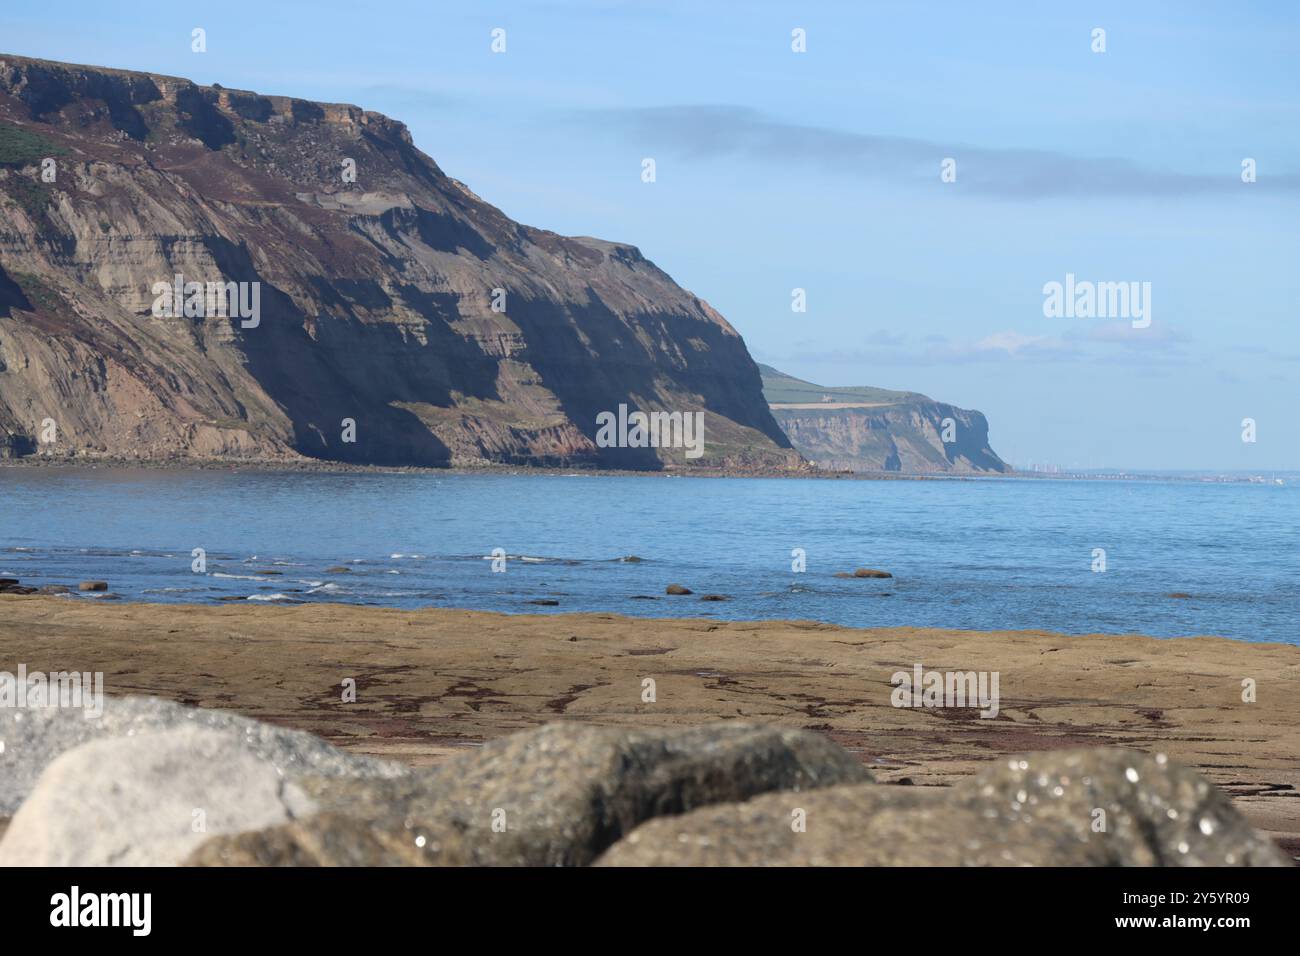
x: 878, y: 430
x: 399, y: 318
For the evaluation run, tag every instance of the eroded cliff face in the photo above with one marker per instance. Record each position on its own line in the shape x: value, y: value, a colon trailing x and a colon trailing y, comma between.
x: 902, y: 438
x: 376, y: 295
x: 875, y: 430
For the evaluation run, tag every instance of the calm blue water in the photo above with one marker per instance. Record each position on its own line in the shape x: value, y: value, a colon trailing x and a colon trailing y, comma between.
x: 992, y: 553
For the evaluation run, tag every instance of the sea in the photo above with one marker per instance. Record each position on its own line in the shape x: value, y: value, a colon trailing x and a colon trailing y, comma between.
x: 1163, y: 557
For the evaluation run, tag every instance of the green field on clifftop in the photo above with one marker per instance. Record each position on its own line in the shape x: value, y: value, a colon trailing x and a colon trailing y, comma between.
x: 782, y: 389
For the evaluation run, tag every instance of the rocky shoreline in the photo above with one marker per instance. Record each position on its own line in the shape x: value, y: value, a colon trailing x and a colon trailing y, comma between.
x: 299, y: 465
x: 152, y: 783
x: 439, y: 688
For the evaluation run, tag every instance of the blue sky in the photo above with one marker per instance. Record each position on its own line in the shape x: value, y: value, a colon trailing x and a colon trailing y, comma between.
x: 820, y: 170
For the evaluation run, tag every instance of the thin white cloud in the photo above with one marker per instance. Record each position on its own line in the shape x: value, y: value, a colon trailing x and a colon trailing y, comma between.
x: 720, y: 131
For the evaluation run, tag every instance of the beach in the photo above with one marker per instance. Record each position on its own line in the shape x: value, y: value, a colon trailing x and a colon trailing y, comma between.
x: 431, y: 682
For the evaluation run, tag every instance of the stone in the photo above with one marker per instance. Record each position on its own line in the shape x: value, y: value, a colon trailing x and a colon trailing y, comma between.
x: 336, y: 839
x: 555, y: 796
x: 714, y: 597
x: 677, y: 589
x: 1036, y: 810
x: 33, y: 738
x: 93, y: 586
x: 147, y: 801
x: 545, y: 602
x: 1157, y: 812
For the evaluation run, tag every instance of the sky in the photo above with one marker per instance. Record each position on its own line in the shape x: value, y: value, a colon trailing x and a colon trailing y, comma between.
x: 821, y: 170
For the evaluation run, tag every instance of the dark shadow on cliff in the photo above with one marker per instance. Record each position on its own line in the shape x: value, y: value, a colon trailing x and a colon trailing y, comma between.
x: 11, y: 296
x: 624, y: 369
x: 344, y: 372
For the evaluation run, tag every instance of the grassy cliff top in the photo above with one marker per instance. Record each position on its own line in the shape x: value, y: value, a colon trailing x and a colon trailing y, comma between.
x: 782, y: 389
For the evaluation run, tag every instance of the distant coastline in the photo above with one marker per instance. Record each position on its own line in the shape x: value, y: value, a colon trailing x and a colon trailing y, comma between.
x: 1279, y: 476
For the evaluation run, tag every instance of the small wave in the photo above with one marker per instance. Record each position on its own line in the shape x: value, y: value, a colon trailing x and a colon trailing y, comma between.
x: 268, y: 597
x: 407, y: 555
x: 326, y: 588
x: 238, y: 577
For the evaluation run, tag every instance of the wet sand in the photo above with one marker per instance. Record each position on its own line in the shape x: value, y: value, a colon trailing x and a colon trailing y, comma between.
x: 432, y: 681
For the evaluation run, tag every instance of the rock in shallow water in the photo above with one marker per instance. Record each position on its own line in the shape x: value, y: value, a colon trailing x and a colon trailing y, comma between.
x: 1101, y: 807
x: 33, y: 738
x: 555, y: 796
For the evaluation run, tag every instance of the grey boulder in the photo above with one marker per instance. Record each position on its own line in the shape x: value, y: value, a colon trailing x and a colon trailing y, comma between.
x: 147, y: 801
x: 33, y: 738
x: 1097, y: 807
x: 555, y: 796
